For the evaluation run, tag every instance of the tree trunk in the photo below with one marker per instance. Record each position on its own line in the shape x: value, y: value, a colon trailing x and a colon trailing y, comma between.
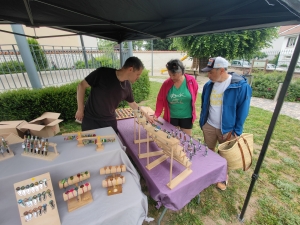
x: 202, y: 63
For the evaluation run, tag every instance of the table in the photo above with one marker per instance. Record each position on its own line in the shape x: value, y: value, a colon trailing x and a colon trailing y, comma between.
x: 207, y: 170
x: 128, y: 208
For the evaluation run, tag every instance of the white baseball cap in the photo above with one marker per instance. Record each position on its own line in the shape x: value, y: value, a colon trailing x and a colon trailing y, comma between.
x: 216, y: 62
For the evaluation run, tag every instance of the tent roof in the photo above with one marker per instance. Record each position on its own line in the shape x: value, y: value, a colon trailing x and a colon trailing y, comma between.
x: 122, y: 20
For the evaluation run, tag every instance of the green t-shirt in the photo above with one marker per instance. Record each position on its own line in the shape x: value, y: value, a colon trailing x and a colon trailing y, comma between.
x: 180, y: 102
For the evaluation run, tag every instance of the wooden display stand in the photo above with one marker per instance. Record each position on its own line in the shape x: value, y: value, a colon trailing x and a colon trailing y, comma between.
x: 123, y: 113
x: 140, y: 119
x: 170, y: 149
x: 114, y: 182
x: 33, y: 212
x: 98, y: 141
x: 6, y: 153
x: 42, y: 155
x: 76, y: 135
x: 80, y: 195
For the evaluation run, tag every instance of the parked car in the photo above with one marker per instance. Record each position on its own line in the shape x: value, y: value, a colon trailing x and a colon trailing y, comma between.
x: 240, y: 63
x: 271, y: 66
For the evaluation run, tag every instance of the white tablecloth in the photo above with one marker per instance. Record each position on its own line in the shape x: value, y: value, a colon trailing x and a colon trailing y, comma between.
x: 130, y: 207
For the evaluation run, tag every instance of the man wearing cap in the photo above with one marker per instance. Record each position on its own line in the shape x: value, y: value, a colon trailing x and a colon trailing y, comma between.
x: 225, y: 105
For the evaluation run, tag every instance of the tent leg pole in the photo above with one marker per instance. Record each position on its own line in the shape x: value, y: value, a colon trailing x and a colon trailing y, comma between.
x: 274, y: 118
x: 162, y: 215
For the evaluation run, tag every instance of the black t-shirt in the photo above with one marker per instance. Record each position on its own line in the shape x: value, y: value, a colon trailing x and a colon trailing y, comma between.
x: 106, y: 94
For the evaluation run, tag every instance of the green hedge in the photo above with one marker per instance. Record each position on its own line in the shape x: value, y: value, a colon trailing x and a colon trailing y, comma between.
x: 12, y: 67
x: 27, y: 104
x: 140, y: 89
x: 266, y: 85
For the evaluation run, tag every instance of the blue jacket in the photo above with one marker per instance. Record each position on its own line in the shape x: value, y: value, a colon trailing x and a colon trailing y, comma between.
x: 235, y: 107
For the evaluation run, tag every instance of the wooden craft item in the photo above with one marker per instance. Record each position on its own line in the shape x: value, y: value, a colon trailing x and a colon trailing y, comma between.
x: 98, y: 140
x: 74, y: 180
x: 6, y: 155
x: 114, y: 190
x: 80, y: 197
x: 123, y: 113
x: 82, y: 200
x: 112, y: 169
x: 81, y: 191
x: 51, y: 216
x: 49, y: 157
x: 141, y: 121
x: 169, y: 145
x: 113, y: 181
x: 76, y: 135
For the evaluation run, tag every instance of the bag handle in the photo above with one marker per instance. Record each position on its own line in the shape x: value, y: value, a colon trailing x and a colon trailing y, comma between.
x: 241, y: 150
x: 246, y: 142
x: 228, y: 136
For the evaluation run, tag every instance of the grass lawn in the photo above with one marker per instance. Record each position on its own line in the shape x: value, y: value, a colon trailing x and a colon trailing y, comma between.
x: 276, y: 195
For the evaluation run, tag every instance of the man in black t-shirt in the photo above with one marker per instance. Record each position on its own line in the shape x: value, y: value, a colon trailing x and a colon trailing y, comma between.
x: 108, y: 88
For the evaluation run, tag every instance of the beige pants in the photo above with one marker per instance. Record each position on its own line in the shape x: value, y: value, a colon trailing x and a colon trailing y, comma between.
x: 213, y: 135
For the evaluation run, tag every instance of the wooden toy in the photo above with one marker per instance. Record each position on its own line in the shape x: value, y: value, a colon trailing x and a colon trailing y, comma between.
x: 81, y: 194
x: 123, y: 113
x: 114, y: 182
x: 140, y: 119
x: 36, y: 201
x: 98, y: 140
x: 5, y: 152
x: 39, y: 148
x: 170, y: 149
x: 80, y: 134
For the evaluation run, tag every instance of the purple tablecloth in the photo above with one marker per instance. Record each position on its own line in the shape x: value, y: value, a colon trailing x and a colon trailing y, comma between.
x: 207, y: 170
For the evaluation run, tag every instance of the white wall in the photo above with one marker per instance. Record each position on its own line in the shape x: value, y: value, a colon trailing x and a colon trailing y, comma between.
x: 286, y: 52
x: 88, y: 41
x: 160, y: 59
x: 275, y: 45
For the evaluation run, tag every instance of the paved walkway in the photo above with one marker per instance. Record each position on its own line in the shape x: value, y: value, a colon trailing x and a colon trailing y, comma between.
x: 290, y: 109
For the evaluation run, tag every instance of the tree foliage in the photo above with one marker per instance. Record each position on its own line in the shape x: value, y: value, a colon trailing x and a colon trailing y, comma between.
x: 38, y: 55
x: 136, y: 45
x: 110, y: 45
x: 237, y: 44
x: 160, y: 44
x: 260, y: 55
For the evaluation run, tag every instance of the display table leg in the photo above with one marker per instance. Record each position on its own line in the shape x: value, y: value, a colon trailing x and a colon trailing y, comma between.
x: 162, y: 215
x: 198, y: 202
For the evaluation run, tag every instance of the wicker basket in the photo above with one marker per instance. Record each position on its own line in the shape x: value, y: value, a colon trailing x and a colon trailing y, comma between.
x: 238, y: 152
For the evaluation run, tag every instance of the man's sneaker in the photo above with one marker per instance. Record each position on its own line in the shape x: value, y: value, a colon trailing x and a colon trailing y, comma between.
x: 222, y: 185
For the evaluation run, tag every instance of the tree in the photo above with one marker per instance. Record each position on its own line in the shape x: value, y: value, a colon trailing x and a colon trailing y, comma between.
x: 160, y: 44
x: 38, y: 55
x: 106, y: 45
x: 236, y: 44
x: 136, y: 45
x: 260, y: 55
x: 275, y: 60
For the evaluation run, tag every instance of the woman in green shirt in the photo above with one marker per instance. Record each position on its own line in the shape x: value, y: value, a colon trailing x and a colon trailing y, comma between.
x: 177, y: 97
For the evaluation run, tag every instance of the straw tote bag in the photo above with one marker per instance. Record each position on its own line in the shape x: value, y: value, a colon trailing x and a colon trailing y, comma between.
x: 238, y: 152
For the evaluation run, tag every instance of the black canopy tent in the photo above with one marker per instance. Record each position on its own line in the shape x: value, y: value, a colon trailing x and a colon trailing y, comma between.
x: 122, y: 20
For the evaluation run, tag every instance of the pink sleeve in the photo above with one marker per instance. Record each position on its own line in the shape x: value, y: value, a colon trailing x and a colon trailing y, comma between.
x: 159, y: 101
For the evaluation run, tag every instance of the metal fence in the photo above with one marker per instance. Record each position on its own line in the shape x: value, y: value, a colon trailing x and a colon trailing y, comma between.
x: 284, y: 58
x: 56, y: 65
